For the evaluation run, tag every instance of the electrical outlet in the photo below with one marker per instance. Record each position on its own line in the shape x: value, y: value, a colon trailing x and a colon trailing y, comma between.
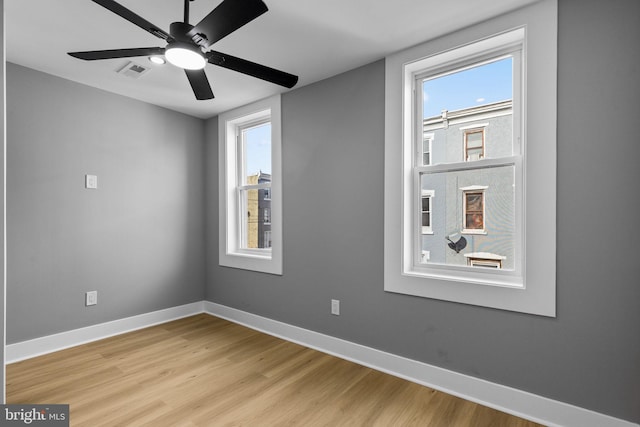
x: 91, y: 298
x: 335, y: 307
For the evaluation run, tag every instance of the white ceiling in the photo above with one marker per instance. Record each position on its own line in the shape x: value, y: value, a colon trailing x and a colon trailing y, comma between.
x: 313, y: 39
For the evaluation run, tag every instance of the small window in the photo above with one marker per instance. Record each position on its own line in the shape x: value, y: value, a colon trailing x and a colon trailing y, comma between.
x: 250, y: 187
x: 484, y: 259
x: 473, y: 202
x: 473, y: 144
x: 427, y: 141
x: 425, y: 213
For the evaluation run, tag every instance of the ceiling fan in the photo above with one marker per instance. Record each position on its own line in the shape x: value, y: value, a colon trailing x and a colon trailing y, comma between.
x: 187, y: 44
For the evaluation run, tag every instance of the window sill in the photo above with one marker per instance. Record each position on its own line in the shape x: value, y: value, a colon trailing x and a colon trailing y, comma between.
x: 476, y: 232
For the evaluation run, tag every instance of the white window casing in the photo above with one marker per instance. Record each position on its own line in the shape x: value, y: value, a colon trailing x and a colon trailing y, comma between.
x: 530, y: 286
x: 232, y: 252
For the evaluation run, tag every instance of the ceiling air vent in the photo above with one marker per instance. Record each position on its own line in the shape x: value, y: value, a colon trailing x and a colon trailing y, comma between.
x: 133, y: 70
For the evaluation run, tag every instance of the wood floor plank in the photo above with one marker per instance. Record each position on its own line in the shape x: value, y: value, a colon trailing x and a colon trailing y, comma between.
x: 206, y: 371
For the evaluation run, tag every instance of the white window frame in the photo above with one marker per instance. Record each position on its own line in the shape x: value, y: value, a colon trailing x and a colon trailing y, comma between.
x: 530, y: 288
x: 231, y: 251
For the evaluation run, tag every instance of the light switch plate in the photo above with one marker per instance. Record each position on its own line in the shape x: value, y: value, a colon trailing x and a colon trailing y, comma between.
x: 91, y: 181
x: 91, y: 298
x: 335, y: 307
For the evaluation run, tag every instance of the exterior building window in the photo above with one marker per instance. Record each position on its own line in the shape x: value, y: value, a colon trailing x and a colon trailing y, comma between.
x: 425, y: 213
x: 473, y: 144
x: 473, y: 202
x: 250, y: 181
x: 426, y: 149
x: 497, y: 76
x: 484, y: 259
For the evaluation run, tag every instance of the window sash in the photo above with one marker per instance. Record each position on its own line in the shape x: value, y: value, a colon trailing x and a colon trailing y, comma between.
x: 513, y: 50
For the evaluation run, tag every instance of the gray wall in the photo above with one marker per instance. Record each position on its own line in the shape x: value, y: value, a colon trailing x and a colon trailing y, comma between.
x: 333, y: 231
x: 64, y: 240
x: 2, y: 211
x: 137, y: 239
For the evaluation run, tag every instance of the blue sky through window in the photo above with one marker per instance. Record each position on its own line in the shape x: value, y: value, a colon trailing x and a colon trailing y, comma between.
x: 258, y: 149
x: 479, y: 85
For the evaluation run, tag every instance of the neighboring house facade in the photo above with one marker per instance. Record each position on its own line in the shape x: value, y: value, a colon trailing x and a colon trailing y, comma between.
x: 259, y: 213
x: 468, y: 215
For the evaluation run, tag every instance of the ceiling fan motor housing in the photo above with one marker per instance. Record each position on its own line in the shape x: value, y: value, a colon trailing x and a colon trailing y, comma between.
x: 179, y: 30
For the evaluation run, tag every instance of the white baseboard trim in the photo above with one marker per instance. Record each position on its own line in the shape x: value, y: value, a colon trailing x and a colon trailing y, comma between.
x: 50, y: 343
x: 513, y: 401
x: 520, y: 403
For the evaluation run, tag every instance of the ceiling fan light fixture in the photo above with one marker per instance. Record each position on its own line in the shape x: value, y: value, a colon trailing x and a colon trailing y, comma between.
x: 185, y: 55
x: 157, y: 59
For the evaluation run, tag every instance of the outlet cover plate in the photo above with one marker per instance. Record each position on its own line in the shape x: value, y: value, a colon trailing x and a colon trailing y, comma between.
x: 91, y: 298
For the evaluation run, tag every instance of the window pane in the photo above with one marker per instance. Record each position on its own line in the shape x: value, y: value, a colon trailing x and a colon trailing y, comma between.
x: 474, y: 139
x: 474, y: 221
x: 474, y: 202
x: 455, y: 102
x: 425, y: 204
x: 426, y: 220
x: 256, y: 220
x: 257, y: 150
x: 482, y: 84
x: 473, y: 215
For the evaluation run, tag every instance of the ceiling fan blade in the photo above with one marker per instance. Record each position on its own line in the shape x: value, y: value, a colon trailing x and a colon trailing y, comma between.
x: 251, y: 68
x: 200, y: 84
x: 125, y: 13
x: 93, y: 55
x: 226, y: 18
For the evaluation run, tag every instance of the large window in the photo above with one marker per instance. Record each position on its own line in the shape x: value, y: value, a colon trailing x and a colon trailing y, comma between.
x: 471, y: 117
x: 461, y: 99
x: 250, y: 187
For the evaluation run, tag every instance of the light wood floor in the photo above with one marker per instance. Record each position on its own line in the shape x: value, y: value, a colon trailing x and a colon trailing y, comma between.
x: 205, y: 371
